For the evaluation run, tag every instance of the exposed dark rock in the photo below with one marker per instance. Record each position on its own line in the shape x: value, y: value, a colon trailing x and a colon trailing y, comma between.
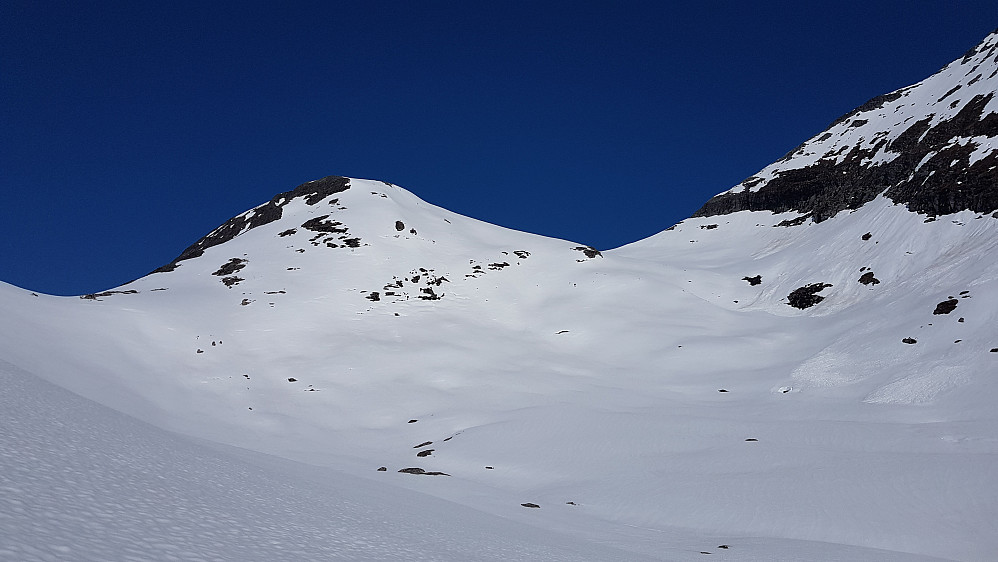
x: 708, y: 226
x: 994, y: 350
x: 875, y: 103
x: 499, y: 265
x: 313, y: 192
x: 531, y: 505
x: 867, y: 236
x: 428, y: 294
x: 320, y: 224
x: 909, y: 341
x: 928, y: 172
x: 425, y: 453
x: 589, y: 251
x: 961, y: 319
x: 95, y: 296
x: 287, y: 232
x: 415, y: 470
x: 753, y: 280
x: 292, y: 379
x: 374, y: 296
x: 352, y: 242
x: 412, y: 421
x: 946, y: 306
x: 423, y: 444
x: 399, y: 226
x: 522, y: 254
x: 845, y: 182
x: 245, y: 302
x: 751, y: 439
x: 794, y: 222
x: 230, y: 267
x: 947, y: 94
x: 230, y: 281
x: 383, y: 469
x: 806, y: 296
x: 868, y: 279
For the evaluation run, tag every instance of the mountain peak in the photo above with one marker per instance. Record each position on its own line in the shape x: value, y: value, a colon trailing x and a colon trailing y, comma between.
x: 312, y: 192
x: 930, y: 146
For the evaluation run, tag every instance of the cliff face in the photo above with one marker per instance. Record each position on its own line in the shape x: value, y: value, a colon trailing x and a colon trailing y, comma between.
x: 930, y: 146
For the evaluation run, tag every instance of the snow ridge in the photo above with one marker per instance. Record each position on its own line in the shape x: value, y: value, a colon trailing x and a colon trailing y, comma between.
x: 930, y: 146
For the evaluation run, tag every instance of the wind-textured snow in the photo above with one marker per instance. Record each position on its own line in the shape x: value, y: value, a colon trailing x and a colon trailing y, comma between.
x: 79, y: 481
x: 349, y: 371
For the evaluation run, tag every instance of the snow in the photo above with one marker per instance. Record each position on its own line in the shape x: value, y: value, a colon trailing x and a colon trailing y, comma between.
x: 643, y: 403
x: 79, y: 481
x: 589, y: 385
x: 934, y: 99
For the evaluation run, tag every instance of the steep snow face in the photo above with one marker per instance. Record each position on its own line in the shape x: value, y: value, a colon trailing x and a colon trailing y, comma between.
x: 931, y: 146
x: 730, y: 381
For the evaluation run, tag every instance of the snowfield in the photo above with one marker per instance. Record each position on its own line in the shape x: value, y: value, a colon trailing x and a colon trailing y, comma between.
x: 82, y: 482
x: 649, y: 399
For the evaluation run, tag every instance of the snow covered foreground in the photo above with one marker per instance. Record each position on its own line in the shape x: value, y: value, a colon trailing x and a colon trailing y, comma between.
x: 79, y: 481
x: 537, y: 371
x: 82, y: 482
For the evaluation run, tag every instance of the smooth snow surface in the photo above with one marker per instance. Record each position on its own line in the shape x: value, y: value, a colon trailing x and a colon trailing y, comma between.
x: 589, y: 383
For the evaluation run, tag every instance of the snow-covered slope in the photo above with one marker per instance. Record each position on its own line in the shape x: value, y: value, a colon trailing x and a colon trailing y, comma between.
x: 788, y: 382
x: 930, y: 146
x: 82, y: 482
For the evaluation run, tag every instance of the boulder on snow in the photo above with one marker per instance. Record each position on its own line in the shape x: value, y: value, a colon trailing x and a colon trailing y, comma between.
x: 946, y: 306
x: 806, y: 296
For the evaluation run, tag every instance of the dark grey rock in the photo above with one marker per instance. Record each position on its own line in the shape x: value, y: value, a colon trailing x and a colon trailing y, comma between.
x: 312, y: 192
x: 847, y: 180
x: 946, y: 306
x: 868, y: 279
x: 806, y: 296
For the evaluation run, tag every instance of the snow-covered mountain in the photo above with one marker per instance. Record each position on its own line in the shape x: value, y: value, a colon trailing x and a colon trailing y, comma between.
x: 804, y: 370
x: 929, y: 146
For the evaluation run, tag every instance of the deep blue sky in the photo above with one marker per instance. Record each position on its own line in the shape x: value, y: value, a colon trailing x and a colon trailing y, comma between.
x: 130, y: 129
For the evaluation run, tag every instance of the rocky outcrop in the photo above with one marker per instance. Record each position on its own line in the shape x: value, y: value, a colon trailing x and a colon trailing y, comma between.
x: 312, y: 192
x: 928, y: 146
